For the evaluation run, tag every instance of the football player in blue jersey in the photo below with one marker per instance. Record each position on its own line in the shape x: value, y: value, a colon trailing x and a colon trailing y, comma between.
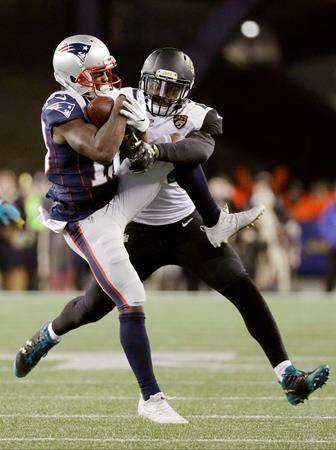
x: 92, y: 204
x: 171, y: 224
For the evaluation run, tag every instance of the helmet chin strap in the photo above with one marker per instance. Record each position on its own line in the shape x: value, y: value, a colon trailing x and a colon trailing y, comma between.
x: 104, y: 90
x: 90, y: 93
x: 155, y: 109
x: 60, y: 80
x: 68, y: 85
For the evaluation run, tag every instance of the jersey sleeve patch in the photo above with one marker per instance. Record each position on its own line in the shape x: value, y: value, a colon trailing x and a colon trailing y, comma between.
x: 61, y: 108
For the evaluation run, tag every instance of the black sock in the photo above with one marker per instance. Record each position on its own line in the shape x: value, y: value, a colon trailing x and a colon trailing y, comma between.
x: 87, y: 308
x: 258, y: 318
x: 134, y: 340
x: 192, y: 179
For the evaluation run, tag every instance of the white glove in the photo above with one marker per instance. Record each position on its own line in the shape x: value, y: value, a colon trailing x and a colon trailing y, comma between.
x: 135, y: 111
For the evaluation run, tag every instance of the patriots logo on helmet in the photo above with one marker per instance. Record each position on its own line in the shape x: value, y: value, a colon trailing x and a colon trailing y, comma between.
x: 65, y: 108
x: 78, y: 49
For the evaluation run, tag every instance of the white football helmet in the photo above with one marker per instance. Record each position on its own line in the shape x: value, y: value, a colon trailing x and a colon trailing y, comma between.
x: 79, y: 60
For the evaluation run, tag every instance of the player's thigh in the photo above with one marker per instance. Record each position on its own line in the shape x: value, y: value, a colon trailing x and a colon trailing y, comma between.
x: 217, y: 267
x: 224, y: 269
x: 137, y: 191
x: 145, y: 248
x: 99, y: 240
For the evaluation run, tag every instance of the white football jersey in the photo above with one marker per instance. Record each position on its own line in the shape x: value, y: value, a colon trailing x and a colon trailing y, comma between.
x: 172, y: 203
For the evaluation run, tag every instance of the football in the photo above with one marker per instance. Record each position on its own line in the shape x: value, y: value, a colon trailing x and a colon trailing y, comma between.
x: 99, y: 110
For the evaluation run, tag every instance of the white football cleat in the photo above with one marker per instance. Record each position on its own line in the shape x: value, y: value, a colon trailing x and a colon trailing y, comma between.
x: 157, y: 410
x: 230, y: 224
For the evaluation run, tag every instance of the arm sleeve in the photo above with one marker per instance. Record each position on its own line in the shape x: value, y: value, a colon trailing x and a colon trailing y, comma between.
x: 213, y: 123
x: 198, y: 146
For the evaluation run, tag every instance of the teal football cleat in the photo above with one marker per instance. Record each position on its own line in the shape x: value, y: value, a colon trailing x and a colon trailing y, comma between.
x: 35, y: 348
x: 298, y: 385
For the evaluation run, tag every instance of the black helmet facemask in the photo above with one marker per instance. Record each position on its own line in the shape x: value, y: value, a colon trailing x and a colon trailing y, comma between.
x: 164, y: 95
x: 166, y: 79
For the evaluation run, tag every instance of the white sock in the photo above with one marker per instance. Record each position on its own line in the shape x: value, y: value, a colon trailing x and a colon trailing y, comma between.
x: 52, y: 333
x: 280, y: 368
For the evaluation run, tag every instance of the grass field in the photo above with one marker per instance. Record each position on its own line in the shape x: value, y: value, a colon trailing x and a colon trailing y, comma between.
x: 83, y: 396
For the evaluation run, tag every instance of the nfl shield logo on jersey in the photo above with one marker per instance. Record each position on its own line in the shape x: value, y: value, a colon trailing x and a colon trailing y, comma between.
x: 180, y: 120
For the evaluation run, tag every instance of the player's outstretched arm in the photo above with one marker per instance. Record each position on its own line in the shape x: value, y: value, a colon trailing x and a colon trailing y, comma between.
x: 101, y: 144
x: 195, y: 149
x: 197, y: 146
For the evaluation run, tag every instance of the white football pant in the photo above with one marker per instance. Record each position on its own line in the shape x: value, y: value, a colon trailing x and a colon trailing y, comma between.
x: 99, y: 237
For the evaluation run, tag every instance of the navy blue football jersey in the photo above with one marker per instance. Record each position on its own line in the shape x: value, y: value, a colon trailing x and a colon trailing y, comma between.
x: 79, y: 184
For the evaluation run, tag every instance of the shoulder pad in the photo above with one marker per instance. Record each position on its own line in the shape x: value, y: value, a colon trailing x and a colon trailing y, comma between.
x: 63, y: 106
x: 196, y: 113
x: 114, y: 93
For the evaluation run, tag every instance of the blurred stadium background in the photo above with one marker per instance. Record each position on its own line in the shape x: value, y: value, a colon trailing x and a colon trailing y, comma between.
x: 267, y: 66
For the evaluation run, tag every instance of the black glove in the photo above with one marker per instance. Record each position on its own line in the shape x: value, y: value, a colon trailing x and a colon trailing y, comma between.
x: 141, y: 155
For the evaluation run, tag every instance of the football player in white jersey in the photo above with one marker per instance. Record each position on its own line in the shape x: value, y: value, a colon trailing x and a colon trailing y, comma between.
x: 182, y: 132
x: 171, y: 224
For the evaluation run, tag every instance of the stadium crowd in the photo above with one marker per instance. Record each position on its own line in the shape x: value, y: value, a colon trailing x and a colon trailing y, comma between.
x: 295, y: 237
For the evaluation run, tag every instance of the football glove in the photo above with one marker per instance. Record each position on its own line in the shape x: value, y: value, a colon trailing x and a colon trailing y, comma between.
x: 142, y: 155
x: 135, y: 112
x: 10, y: 214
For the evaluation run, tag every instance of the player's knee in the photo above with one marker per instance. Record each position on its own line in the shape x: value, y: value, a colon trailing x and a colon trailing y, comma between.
x: 94, y: 316
x: 132, y: 309
x: 223, y: 272
x: 85, y: 317
x: 90, y: 314
x: 134, y: 294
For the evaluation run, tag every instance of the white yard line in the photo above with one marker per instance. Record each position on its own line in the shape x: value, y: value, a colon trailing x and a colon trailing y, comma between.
x: 104, y: 383
x: 179, y: 398
x: 225, y: 440
x: 174, y: 296
x: 192, y: 416
x: 132, y: 383
x: 112, y: 360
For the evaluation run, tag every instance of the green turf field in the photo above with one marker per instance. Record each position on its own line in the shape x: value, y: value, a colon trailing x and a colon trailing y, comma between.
x: 80, y: 396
